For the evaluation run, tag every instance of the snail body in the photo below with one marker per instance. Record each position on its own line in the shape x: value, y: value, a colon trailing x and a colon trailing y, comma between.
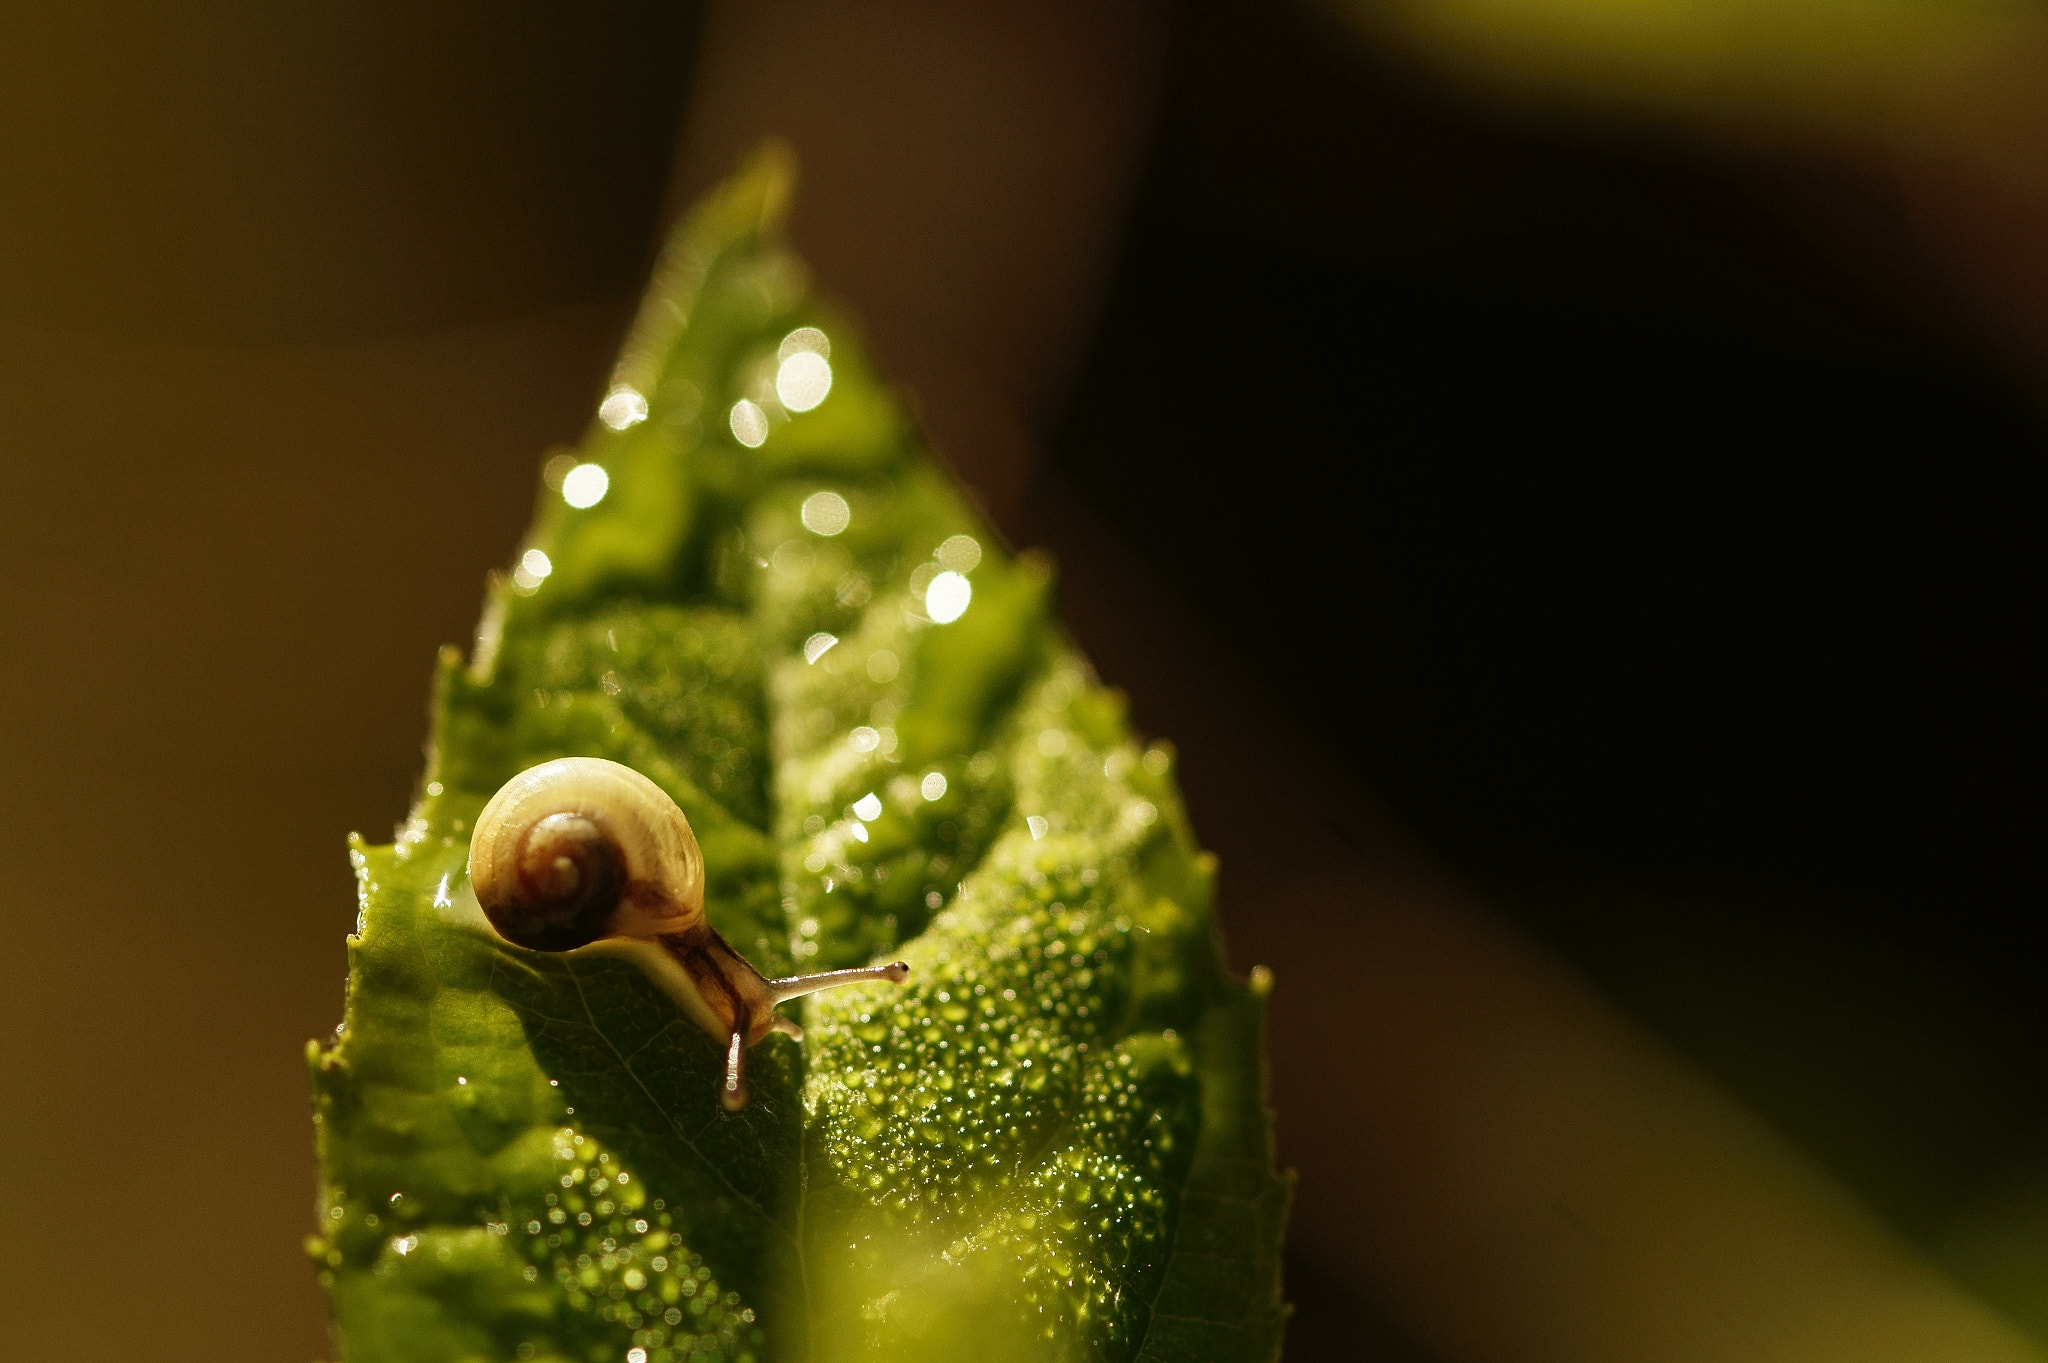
x: 585, y: 855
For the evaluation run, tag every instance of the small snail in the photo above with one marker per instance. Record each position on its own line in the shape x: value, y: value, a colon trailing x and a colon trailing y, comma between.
x: 580, y: 854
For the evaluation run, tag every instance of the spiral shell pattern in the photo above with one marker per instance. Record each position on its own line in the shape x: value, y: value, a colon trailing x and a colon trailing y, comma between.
x: 581, y: 848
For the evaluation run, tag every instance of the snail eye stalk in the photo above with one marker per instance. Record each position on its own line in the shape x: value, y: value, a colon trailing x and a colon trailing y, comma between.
x: 583, y: 854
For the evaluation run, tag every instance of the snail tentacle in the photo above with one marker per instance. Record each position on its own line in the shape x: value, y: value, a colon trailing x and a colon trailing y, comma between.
x: 796, y: 986
x: 582, y: 854
x: 733, y: 1096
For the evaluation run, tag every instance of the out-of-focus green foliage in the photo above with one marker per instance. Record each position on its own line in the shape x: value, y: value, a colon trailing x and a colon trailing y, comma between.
x: 1051, y: 1144
x: 1865, y: 70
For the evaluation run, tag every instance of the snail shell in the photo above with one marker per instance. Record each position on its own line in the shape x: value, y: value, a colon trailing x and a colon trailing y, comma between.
x: 585, y: 855
x: 579, y: 849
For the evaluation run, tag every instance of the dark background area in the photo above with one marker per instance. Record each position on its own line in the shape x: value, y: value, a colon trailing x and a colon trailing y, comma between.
x: 1673, y: 569
x: 291, y: 304
x: 1676, y: 578
x: 1642, y: 522
x: 244, y: 176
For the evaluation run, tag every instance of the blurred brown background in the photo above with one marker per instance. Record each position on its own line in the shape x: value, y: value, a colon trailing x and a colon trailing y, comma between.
x: 1678, y: 473
x: 290, y: 302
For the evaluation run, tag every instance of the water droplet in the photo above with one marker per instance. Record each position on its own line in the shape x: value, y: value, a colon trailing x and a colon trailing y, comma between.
x: 947, y: 598
x: 825, y: 513
x: 585, y: 485
x: 805, y: 339
x: 959, y: 554
x: 532, y: 570
x: 803, y: 380
x: 622, y: 408
x: 749, y: 424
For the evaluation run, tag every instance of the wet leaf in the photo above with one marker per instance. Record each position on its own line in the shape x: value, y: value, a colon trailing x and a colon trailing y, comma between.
x: 1052, y: 1143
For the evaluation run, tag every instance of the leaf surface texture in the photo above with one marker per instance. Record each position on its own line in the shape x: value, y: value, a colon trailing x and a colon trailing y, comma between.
x: 1050, y: 1144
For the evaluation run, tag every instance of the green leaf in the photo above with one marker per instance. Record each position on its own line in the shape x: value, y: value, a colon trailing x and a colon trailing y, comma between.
x: 1051, y: 1144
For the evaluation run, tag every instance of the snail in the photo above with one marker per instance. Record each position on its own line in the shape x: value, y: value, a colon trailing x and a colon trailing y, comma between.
x: 585, y: 855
